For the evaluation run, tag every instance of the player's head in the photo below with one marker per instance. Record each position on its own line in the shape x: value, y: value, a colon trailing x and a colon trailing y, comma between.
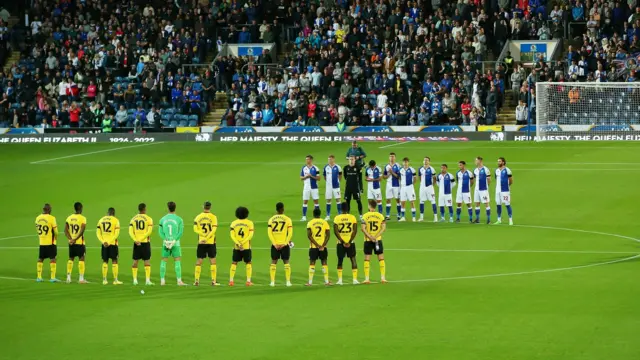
x: 392, y: 157
x: 332, y: 159
x: 462, y: 164
x: 352, y: 160
x: 111, y: 211
x: 207, y: 205
x: 354, y: 144
x: 142, y: 208
x: 242, y: 213
x: 317, y: 213
x: 372, y: 163
x: 502, y: 162
x: 479, y: 160
x: 405, y: 162
x: 171, y: 206
x: 426, y: 161
x: 345, y: 207
x: 280, y: 208
x: 444, y: 168
x: 372, y: 205
x: 46, y: 209
x: 77, y: 207
x: 309, y: 159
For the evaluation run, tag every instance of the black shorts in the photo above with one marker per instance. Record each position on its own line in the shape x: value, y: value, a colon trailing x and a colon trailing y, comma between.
x: 48, y: 252
x: 352, y: 193
x: 206, y: 250
x: 242, y: 255
x: 77, y: 250
x: 142, y: 251
x: 349, y: 252
x: 110, y: 253
x: 370, y: 248
x: 315, y: 254
x: 284, y: 253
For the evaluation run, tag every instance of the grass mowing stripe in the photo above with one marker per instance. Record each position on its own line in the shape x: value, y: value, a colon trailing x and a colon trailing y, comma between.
x: 94, y: 152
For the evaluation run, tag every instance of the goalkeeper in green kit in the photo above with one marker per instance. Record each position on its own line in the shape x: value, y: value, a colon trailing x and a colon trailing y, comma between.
x: 170, y: 229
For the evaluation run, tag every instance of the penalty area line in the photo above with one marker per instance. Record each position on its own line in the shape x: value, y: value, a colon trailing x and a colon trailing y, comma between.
x: 398, y: 143
x: 95, y: 152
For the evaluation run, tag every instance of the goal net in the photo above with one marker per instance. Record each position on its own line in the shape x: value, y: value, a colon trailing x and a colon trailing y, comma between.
x: 587, y: 111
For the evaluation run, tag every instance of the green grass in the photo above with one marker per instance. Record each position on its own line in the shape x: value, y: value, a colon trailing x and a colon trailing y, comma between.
x: 457, y: 291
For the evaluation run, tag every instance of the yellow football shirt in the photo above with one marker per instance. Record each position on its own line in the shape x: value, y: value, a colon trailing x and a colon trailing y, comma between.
x: 75, y: 222
x: 241, y: 233
x: 140, y: 228
x: 347, y: 225
x: 47, y: 229
x: 206, y: 225
x: 280, y: 229
x: 373, y: 221
x: 319, y: 228
x: 108, y: 230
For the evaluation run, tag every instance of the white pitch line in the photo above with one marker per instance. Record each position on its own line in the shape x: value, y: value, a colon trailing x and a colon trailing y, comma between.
x: 390, y: 145
x: 95, y: 152
x: 296, y: 163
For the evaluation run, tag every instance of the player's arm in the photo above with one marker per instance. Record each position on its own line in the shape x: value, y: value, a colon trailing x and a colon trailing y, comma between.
x: 310, y: 237
x: 54, y: 229
x: 303, y: 176
x: 214, y: 229
x: 180, y: 229
x: 234, y: 238
x: 366, y: 233
x: 163, y: 236
x: 251, y: 232
x: 472, y: 178
x: 510, y: 177
x: 289, y: 226
x: 67, y: 233
x: 354, y: 232
x: 81, y: 232
x: 327, y: 236
x: 99, y: 233
x: 394, y: 174
x: 434, y: 180
x: 116, y: 231
x: 132, y: 233
x: 337, y: 233
x: 270, y: 232
x: 149, y: 229
x: 362, y: 153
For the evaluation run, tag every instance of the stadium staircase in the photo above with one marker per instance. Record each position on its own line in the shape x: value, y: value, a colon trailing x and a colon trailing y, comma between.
x: 14, y: 56
x: 219, y: 108
x: 507, y: 113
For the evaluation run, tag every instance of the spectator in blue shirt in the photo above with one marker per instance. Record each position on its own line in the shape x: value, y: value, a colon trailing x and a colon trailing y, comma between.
x: 267, y: 115
x: 176, y: 96
x: 245, y: 36
x: 578, y: 11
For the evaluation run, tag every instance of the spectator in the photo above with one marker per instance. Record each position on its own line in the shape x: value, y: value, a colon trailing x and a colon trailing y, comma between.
x: 521, y: 113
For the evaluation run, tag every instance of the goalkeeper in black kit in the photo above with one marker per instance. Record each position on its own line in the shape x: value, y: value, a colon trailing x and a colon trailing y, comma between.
x: 353, y: 187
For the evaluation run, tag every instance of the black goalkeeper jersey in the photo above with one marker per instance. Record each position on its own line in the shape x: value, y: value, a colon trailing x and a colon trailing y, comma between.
x: 352, y: 177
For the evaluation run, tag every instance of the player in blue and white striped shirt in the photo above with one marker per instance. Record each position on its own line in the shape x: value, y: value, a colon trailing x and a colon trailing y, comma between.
x: 481, y: 193
x: 407, y: 192
x: 391, y: 171
x: 445, y: 181
x: 373, y: 177
x: 332, y: 173
x: 310, y: 174
x: 465, y: 182
x: 504, y: 180
x: 427, y: 179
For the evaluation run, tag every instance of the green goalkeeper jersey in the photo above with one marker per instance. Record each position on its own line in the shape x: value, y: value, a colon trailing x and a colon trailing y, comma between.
x: 171, y: 228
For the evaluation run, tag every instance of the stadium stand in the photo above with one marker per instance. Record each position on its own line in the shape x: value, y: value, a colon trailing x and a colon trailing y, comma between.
x: 348, y: 62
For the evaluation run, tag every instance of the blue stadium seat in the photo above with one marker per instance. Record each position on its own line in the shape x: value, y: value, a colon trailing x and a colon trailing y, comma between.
x: 193, y: 123
x: 173, y: 124
x: 131, y: 111
x: 182, y: 123
x: 193, y: 118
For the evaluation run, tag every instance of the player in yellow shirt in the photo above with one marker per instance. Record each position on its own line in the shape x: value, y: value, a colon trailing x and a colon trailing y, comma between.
x: 47, y: 228
x: 373, y: 226
x: 280, y: 232
x: 74, y: 229
x: 140, y: 229
x: 242, y: 231
x: 318, y: 233
x: 205, y: 225
x: 108, y: 232
x: 345, y: 227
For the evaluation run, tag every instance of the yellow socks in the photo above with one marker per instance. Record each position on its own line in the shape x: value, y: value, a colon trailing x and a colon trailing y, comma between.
x: 272, y: 272
x: 134, y: 272
x: 52, y: 266
x: 287, y: 272
x: 214, y: 272
x: 114, y: 269
x: 383, y: 270
x: 249, y: 272
x: 312, y: 271
x: 232, y: 272
x: 39, y: 270
x: 81, y: 268
x: 354, y: 272
x: 339, y: 274
x: 197, y: 272
x: 69, y: 267
x: 367, y: 269
x: 147, y: 272
x: 325, y: 271
x: 105, y: 270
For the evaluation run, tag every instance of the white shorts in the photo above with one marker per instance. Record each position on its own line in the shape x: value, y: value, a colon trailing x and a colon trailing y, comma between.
x: 392, y: 193
x: 445, y: 200
x: 332, y: 194
x: 463, y: 198
x: 427, y: 194
x: 407, y: 194
x: 310, y: 194
x: 374, y: 194
x: 481, y: 196
x: 503, y: 198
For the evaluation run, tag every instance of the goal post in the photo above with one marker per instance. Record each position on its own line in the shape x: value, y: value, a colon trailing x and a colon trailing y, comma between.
x: 584, y: 110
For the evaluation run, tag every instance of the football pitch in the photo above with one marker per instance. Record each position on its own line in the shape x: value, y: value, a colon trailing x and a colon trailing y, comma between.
x: 562, y: 283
